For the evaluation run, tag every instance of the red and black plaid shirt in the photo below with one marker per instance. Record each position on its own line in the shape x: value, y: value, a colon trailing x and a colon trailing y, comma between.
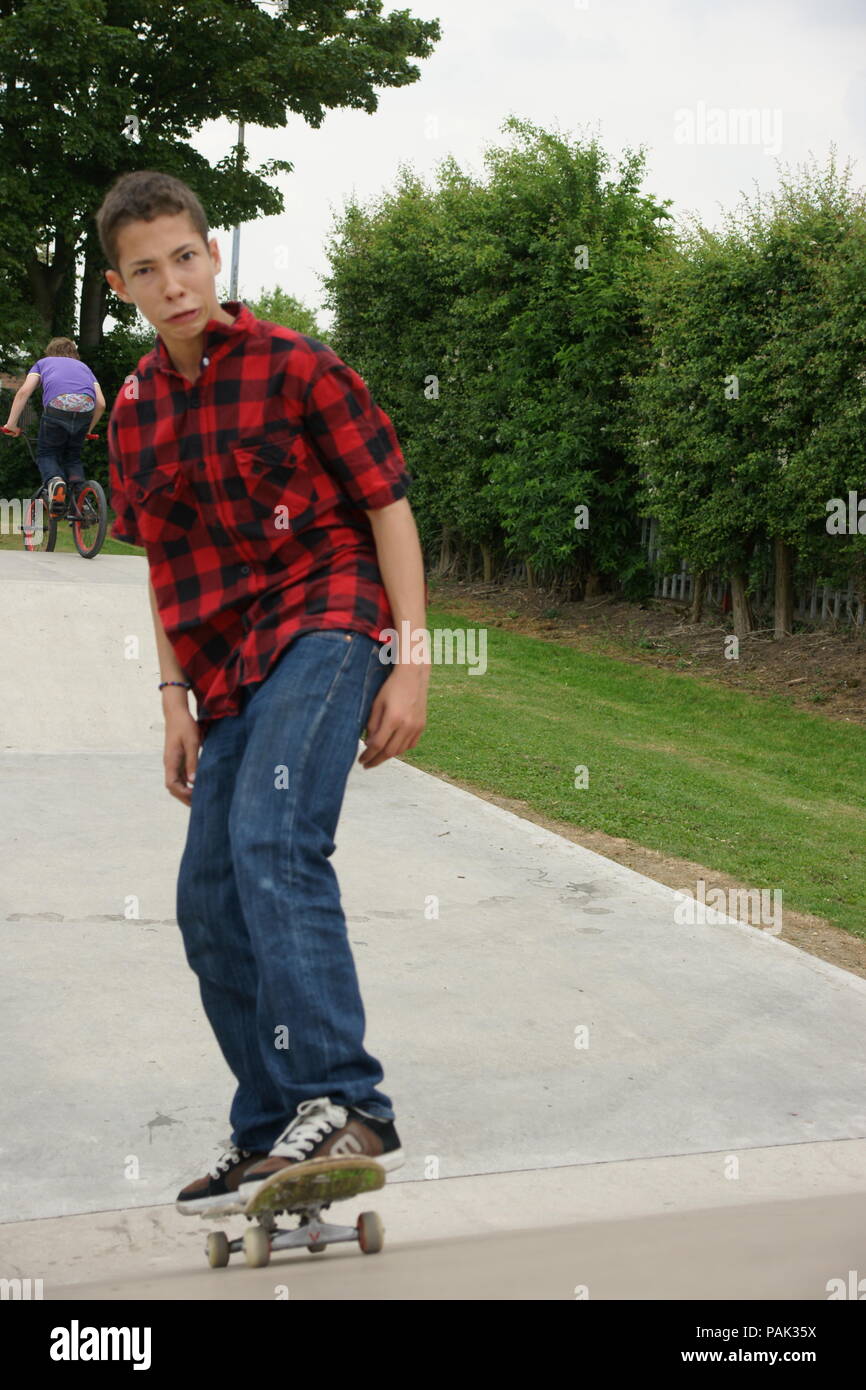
x: 249, y: 489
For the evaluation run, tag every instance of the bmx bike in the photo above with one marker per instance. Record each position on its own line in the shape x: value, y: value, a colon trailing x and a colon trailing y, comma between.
x: 86, y: 511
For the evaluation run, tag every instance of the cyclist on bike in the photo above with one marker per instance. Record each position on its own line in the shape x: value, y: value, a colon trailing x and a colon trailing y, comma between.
x: 72, y: 404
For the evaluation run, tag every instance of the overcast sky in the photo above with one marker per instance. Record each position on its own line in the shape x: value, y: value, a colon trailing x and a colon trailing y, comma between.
x: 670, y: 75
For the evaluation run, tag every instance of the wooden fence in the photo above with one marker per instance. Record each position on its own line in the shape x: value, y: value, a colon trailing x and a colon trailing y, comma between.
x: 813, y: 602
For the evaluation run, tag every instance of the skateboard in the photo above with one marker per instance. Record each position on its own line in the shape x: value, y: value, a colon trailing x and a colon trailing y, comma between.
x: 304, y: 1190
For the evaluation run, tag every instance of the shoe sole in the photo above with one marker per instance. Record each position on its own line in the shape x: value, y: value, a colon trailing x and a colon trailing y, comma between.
x: 210, y: 1206
x: 389, y: 1161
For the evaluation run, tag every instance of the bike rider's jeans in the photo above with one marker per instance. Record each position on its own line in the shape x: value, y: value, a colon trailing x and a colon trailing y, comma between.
x: 59, y: 443
x: 258, y: 902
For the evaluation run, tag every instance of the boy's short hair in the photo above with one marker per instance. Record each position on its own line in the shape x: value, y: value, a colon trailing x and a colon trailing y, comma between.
x: 140, y: 197
x: 61, y: 347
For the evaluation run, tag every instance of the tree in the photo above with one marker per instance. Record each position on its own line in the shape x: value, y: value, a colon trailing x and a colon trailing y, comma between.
x: 698, y: 416
x: 750, y: 402
x: 279, y: 307
x: 500, y: 359
x: 94, y: 88
x: 393, y: 282
x: 563, y: 248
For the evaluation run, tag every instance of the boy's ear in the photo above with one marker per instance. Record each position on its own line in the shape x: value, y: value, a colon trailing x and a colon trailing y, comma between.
x: 213, y: 248
x: 116, y: 281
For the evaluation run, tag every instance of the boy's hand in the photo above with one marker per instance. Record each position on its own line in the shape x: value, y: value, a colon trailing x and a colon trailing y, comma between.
x: 398, y: 716
x: 182, y: 742
x: 11, y: 429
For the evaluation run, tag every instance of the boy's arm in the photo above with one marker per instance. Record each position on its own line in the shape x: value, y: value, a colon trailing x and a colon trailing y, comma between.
x: 401, y: 564
x: 357, y: 444
x: 182, y: 735
x: 173, y: 696
x: 99, y: 408
x: 399, y: 712
x: 21, y: 397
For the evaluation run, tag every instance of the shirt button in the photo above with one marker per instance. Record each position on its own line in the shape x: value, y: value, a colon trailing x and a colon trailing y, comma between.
x: 245, y: 569
x: 205, y: 361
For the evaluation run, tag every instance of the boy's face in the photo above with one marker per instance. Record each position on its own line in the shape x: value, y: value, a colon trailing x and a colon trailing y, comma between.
x: 170, y: 274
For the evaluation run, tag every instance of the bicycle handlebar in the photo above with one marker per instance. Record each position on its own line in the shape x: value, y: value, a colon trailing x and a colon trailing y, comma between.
x: 5, y: 430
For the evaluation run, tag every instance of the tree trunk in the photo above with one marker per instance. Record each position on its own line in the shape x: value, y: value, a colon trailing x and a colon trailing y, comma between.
x: 445, y: 551
x: 530, y: 576
x: 699, y: 589
x: 94, y: 297
x: 783, y: 611
x: 53, y: 287
x: 487, y: 557
x: 593, y: 584
x: 63, y: 322
x: 744, y: 621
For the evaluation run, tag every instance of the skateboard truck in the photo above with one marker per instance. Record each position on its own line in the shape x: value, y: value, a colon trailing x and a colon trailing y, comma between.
x: 261, y: 1239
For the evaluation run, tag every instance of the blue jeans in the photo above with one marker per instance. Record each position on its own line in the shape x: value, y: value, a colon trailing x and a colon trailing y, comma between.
x: 258, y: 902
x: 59, y: 443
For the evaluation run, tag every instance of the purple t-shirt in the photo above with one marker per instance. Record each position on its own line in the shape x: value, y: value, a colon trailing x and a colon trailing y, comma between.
x: 63, y: 374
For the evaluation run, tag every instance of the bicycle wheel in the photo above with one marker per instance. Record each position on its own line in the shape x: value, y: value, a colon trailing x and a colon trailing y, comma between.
x: 38, y: 529
x: 89, y: 516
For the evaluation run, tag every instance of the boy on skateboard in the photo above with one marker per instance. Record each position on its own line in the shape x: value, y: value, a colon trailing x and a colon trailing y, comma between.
x: 268, y: 491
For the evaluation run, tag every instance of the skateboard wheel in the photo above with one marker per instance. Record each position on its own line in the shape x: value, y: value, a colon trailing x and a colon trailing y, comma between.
x: 257, y: 1247
x: 217, y: 1249
x: 371, y: 1232
x: 317, y: 1249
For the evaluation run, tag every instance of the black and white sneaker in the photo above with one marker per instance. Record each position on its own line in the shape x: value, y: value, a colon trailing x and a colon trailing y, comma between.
x: 218, y: 1190
x: 324, y: 1129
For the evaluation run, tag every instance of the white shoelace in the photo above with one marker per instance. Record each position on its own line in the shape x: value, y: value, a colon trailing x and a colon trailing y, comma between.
x: 312, y: 1122
x: 231, y: 1156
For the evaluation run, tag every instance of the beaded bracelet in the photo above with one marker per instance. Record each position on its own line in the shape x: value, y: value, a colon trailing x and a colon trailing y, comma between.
x: 186, y: 685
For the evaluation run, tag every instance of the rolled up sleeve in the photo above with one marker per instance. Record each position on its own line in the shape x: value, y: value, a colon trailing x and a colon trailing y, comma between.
x: 352, y: 436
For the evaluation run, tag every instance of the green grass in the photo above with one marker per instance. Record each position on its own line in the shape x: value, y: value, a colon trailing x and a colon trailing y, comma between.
x: 741, y: 784
x: 65, y: 542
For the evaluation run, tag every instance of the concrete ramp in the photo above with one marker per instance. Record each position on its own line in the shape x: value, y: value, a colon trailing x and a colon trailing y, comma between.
x: 80, y: 668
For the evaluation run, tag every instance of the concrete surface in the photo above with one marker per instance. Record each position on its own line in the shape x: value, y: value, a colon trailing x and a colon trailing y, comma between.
x: 674, y: 1228
x: 708, y: 1045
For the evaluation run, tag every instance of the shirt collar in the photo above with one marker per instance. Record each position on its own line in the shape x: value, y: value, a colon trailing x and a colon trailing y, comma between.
x: 215, y: 332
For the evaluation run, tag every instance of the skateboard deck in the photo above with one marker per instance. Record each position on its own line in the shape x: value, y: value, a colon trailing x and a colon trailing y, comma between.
x: 304, y: 1189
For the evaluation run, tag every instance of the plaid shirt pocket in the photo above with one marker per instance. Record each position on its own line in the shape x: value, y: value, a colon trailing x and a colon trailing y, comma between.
x: 164, y: 504
x: 269, y: 496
